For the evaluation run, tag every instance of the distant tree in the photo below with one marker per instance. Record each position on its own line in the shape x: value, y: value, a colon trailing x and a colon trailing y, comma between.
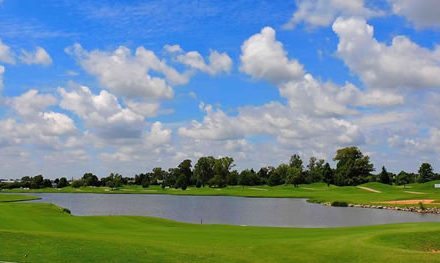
x: 327, y: 174
x: 145, y: 182
x: 384, y: 176
x: 315, y: 170
x: 185, y: 169
x: 181, y: 182
x: 204, y: 169
x: 274, y: 178
x: 222, y: 167
x: 294, y: 176
x: 403, y: 178
x: 62, y: 182
x: 425, y: 173
x: 77, y: 183
x: 248, y: 177
x: 37, y: 182
x: 295, y: 161
x: 46, y: 183
x: 232, y: 178
x: 352, y: 167
x: 157, y: 175
x: 90, y: 179
x: 263, y: 175
x: 283, y: 171
x: 114, y: 180
x: 217, y: 181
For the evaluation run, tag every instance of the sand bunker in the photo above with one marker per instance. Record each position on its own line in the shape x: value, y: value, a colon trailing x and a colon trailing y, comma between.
x: 369, y: 189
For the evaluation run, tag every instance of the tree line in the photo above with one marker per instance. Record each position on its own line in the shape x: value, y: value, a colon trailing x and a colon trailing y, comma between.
x: 352, y: 168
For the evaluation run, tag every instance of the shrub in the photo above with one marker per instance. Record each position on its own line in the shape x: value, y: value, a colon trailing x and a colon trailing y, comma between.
x: 66, y: 210
x: 339, y: 203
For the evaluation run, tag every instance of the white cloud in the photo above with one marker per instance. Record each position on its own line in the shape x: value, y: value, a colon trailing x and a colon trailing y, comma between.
x: 423, y: 14
x: 31, y: 102
x: 263, y: 57
x: 316, y: 13
x: 217, y: 62
x: 403, y: 64
x: 102, y: 113
x: 6, y: 55
x: 38, y: 57
x: 2, y: 71
x: 128, y: 75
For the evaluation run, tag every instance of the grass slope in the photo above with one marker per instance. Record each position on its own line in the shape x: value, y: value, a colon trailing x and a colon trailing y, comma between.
x: 39, y: 232
x: 315, y: 192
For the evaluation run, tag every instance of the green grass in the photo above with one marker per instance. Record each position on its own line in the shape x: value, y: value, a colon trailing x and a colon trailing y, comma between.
x: 314, y: 192
x: 15, y: 198
x: 39, y: 232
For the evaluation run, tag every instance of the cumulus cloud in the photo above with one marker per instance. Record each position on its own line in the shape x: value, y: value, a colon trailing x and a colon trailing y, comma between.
x: 317, y: 13
x: 402, y: 64
x: 102, y: 113
x: 263, y: 57
x: 6, y: 54
x: 423, y: 14
x: 38, y: 57
x: 30, y: 102
x: 129, y: 75
x: 217, y: 62
x: 34, y: 123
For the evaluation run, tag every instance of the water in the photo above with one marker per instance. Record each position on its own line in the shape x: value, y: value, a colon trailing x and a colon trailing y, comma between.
x: 230, y: 210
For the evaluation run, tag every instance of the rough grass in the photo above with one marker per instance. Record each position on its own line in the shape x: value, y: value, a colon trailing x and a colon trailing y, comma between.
x: 39, y: 232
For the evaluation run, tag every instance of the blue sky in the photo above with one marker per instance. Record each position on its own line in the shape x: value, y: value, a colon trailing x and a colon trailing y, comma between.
x: 129, y: 85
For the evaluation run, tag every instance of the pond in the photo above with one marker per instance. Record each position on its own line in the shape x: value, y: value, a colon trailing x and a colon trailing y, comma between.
x: 230, y: 210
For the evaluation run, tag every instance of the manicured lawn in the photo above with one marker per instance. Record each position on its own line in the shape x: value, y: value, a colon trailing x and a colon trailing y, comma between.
x: 15, y: 197
x: 39, y: 232
x: 315, y: 192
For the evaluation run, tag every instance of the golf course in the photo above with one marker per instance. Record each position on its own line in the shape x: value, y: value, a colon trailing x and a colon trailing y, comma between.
x: 369, y: 193
x: 42, y: 232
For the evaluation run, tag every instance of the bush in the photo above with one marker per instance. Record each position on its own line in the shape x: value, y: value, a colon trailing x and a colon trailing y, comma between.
x: 66, y: 210
x: 77, y: 183
x: 339, y: 203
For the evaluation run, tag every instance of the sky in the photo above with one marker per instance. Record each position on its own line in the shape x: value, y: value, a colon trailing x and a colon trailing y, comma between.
x: 126, y: 86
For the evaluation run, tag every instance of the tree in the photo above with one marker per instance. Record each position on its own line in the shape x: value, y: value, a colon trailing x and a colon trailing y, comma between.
x: 181, y: 182
x: 90, y: 179
x: 315, y: 171
x: 403, y: 178
x: 425, y: 173
x: 62, y: 182
x: 36, y: 182
x: 77, y: 183
x: 232, y: 178
x: 327, y: 174
x: 204, y: 169
x: 295, y: 161
x: 384, y: 176
x: 248, y: 177
x: 352, y: 167
x: 217, y: 181
x: 114, y: 180
x: 157, y: 175
x: 185, y: 169
x: 294, y: 176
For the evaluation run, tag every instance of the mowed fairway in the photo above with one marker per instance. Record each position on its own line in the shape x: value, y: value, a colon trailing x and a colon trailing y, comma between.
x: 39, y: 232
